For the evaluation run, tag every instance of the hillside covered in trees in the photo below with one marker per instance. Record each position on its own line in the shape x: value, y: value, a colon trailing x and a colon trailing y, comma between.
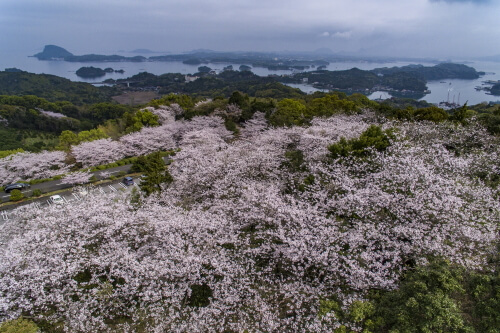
x: 320, y: 213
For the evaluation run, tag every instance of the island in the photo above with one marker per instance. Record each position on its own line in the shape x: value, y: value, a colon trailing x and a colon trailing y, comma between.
x: 406, y: 81
x: 495, y: 89
x: 94, y: 72
x: 53, y: 52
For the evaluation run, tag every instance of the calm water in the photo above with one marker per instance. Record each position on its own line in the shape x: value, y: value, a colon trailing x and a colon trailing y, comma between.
x: 452, y: 90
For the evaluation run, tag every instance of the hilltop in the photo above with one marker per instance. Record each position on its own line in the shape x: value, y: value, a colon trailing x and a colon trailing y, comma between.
x: 53, y: 52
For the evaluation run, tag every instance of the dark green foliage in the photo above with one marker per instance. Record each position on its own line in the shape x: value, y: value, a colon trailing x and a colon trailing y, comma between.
x: 20, y: 116
x: 231, y: 126
x: 374, y: 137
x: 103, y: 111
x: 491, y: 119
x: 37, y: 192
x: 242, y: 100
x: 16, y: 195
x: 439, y: 297
x: 200, y: 295
x: 404, y: 81
x: 462, y: 114
x: 223, y: 84
x: 432, y: 113
x: 155, y: 171
x: 53, y: 88
x: 186, y: 102
x: 295, y: 160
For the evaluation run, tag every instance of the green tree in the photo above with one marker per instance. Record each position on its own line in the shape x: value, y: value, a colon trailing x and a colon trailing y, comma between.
x: 16, y: 195
x: 424, y: 302
x: 432, y: 113
x: 67, y: 139
x: 374, y: 137
x: 330, y: 105
x: 140, y: 119
x: 155, y: 172
x: 91, y: 135
x: 240, y: 99
x: 19, y: 325
x: 288, y: 112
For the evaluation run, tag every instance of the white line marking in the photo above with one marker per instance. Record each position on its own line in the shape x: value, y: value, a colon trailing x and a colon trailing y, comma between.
x: 4, y: 215
x: 122, y: 185
x: 101, y: 190
x: 77, y: 197
x: 112, y: 188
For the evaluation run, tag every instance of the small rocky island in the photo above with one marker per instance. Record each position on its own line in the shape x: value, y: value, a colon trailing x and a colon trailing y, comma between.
x: 94, y: 72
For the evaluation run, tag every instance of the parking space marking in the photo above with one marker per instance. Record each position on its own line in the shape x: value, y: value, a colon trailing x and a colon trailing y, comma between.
x: 37, y: 205
x: 101, y: 190
x: 122, y: 185
x: 65, y: 200
x: 5, y: 217
x: 112, y: 188
x: 49, y: 203
x: 77, y: 197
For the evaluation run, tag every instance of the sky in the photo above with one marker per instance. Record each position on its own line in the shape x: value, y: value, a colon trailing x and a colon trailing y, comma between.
x: 443, y: 29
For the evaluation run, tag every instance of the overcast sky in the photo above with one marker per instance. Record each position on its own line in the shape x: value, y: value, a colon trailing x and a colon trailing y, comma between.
x: 417, y: 28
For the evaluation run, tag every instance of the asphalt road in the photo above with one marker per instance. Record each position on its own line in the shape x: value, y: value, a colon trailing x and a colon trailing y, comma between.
x: 68, y: 196
x: 56, y: 185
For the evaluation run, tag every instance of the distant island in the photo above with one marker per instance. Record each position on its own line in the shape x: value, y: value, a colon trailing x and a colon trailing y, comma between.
x: 495, y: 89
x: 93, y: 72
x: 53, y: 52
x: 409, y: 81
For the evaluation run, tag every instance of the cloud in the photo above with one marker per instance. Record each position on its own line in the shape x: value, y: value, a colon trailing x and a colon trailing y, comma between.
x: 342, y: 35
x: 480, y: 2
x: 424, y: 27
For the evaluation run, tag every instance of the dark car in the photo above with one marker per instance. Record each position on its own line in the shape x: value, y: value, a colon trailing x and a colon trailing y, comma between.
x: 128, y: 181
x: 16, y: 186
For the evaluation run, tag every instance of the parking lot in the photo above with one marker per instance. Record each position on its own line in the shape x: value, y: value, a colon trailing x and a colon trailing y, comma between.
x: 68, y: 197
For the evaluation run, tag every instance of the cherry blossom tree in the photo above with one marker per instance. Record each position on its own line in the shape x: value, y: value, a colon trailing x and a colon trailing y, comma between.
x: 77, y: 178
x: 255, y: 234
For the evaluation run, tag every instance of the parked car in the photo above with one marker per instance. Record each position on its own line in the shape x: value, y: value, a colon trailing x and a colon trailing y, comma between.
x: 16, y: 186
x: 128, y: 181
x: 56, y: 199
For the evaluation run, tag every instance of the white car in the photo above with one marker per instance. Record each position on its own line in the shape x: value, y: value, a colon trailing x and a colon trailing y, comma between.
x: 56, y: 199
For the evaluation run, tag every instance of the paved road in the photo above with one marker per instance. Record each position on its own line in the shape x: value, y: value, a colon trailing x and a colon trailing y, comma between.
x: 69, y: 196
x: 56, y: 185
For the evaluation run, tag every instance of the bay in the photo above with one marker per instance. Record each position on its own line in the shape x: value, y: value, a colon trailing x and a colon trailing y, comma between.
x: 458, y: 91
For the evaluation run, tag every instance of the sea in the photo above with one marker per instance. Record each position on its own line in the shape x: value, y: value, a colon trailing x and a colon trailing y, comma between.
x: 447, y: 90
